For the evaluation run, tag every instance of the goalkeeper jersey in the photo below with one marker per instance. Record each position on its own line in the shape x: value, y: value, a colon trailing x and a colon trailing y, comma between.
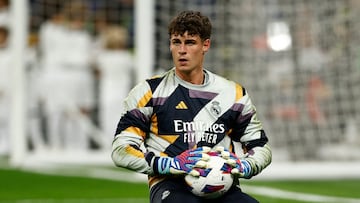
x: 167, y: 115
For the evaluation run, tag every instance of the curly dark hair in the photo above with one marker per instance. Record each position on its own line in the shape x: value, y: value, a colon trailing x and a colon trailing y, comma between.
x: 191, y: 21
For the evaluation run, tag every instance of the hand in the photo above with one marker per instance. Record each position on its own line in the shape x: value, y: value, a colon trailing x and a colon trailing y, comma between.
x: 238, y: 167
x: 181, y: 164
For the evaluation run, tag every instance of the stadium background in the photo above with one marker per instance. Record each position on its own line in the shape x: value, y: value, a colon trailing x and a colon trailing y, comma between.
x: 299, y: 59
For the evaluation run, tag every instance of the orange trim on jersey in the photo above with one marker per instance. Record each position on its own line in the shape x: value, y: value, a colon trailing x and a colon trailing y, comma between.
x: 163, y: 154
x: 145, y: 99
x: 154, y: 125
x: 154, y: 128
x: 134, y: 152
x: 155, y: 179
x: 239, y: 92
x: 156, y: 76
x: 231, y: 148
x: 135, y: 130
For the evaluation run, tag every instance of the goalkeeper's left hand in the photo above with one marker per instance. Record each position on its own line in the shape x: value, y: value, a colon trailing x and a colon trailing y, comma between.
x: 237, y: 166
x: 184, y: 163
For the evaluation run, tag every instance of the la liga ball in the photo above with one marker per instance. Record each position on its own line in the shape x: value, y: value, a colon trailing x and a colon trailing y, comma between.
x: 214, y: 183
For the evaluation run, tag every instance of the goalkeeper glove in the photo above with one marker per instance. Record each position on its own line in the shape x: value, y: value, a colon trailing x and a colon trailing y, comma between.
x: 238, y: 167
x: 181, y: 164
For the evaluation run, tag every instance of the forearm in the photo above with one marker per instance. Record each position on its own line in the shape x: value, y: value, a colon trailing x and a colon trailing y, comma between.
x: 129, y: 156
x: 258, y: 159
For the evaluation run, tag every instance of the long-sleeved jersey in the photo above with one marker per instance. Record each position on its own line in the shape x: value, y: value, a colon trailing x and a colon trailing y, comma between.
x: 167, y: 116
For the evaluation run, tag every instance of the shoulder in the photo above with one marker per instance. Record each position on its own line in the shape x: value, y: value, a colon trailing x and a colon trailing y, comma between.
x: 226, y: 84
x: 149, y: 85
x: 163, y: 78
x: 215, y: 78
x: 218, y: 79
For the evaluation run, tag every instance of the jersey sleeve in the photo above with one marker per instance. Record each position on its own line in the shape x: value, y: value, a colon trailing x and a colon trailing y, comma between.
x: 132, y: 130
x: 249, y: 138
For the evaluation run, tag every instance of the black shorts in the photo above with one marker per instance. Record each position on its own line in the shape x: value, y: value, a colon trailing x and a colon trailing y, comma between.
x: 175, y: 191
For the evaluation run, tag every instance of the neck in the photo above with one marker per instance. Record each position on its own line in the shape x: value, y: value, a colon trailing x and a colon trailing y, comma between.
x: 194, y: 77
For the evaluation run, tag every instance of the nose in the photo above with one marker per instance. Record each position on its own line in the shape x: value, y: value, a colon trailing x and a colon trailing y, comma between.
x: 182, y: 49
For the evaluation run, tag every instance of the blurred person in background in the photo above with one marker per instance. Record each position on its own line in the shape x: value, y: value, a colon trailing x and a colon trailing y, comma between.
x: 115, y: 65
x: 33, y: 96
x: 34, y: 131
x: 52, y: 48
x: 111, y: 12
x: 67, y: 76
x: 5, y: 89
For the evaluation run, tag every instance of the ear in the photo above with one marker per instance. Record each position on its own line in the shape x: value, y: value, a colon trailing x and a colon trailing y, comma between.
x: 206, y: 45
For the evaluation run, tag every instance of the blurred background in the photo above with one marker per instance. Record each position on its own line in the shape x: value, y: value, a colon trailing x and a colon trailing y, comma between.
x: 66, y: 66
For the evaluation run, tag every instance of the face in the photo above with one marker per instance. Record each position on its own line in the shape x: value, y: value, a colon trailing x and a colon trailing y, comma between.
x: 188, y: 53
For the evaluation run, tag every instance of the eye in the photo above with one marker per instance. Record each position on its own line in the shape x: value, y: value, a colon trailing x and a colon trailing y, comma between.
x: 175, y: 42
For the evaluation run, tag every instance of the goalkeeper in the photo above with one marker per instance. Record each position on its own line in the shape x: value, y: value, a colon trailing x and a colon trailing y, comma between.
x: 171, y: 121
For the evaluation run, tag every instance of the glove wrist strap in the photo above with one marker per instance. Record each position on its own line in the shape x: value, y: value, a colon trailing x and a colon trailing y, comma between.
x: 162, y: 165
x: 246, y: 168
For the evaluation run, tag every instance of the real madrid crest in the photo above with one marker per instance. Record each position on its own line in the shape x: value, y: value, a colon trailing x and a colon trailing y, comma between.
x: 215, y: 108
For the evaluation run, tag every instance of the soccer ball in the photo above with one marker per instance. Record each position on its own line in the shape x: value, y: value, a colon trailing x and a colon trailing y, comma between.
x: 215, y: 182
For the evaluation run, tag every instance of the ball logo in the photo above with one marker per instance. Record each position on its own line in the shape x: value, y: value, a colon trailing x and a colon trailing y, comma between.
x: 215, y: 108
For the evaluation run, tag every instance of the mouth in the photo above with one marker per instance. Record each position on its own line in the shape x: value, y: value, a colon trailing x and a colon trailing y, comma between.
x: 183, y: 61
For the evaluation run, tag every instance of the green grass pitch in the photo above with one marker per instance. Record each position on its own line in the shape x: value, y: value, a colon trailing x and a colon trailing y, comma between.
x: 23, y: 186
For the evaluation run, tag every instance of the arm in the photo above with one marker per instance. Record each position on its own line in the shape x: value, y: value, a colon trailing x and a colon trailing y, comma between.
x: 131, y: 131
x: 249, y: 136
x: 127, y: 154
x: 257, y: 159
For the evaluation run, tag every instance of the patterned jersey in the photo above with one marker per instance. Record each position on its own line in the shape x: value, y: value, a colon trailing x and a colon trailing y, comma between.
x: 167, y: 116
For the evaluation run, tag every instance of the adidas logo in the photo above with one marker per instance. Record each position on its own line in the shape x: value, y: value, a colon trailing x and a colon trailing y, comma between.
x: 181, y: 105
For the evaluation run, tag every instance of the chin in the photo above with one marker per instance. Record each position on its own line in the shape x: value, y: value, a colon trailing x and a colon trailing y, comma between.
x: 185, y: 70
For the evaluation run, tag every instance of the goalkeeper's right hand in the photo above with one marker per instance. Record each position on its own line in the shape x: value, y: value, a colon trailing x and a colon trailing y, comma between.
x: 184, y: 163
x: 238, y: 167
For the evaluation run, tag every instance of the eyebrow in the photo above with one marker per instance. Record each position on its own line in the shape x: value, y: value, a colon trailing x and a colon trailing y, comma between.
x: 190, y: 40
x: 186, y: 40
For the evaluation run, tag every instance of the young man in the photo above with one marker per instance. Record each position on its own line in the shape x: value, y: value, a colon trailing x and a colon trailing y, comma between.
x: 179, y: 115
